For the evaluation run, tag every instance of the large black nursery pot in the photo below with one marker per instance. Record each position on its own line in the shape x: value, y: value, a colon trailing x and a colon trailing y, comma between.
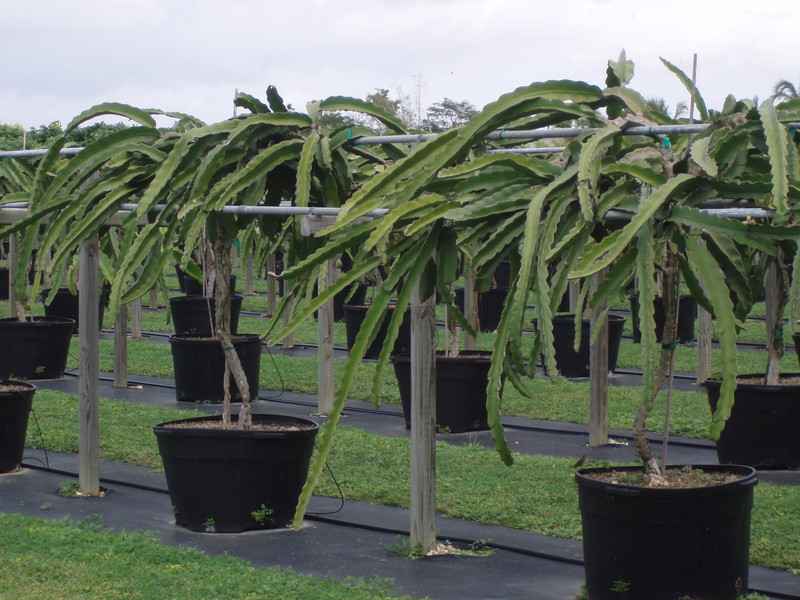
x: 687, y: 315
x: 354, y: 317
x: 572, y: 363
x: 763, y: 430
x: 199, y: 364
x: 191, y: 287
x: 16, y: 399
x: 194, y: 315
x: 460, y: 390
x: 660, y: 543
x: 4, y: 278
x: 230, y: 480
x: 65, y: 304
x: 490, y: 306
x: 36, y: 348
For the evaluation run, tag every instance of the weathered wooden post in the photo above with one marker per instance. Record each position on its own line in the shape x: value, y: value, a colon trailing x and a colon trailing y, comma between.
x: 13, y: 257
x: 598, y: 371
x: 423, y: 422
x: 88, y: 389
x: 121, y: 348
x: 326, y: 390
x: 136, y: 319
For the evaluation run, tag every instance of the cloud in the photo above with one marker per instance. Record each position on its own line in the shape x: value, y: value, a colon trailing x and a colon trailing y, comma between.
x: 192, y: 55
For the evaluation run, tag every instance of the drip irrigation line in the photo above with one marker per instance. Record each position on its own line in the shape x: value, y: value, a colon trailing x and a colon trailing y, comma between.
x: 326, y: 518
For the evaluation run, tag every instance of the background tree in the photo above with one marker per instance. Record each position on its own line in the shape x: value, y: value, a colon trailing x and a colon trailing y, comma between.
x: 11, y: 136
x: 448, y: 114
x: 783, y: 91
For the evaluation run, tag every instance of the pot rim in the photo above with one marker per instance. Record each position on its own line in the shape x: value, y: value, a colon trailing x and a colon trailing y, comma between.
x: 748, y: 478
x: 311, y: 427
x: 37, y: 320
x: 712, y: 382
x: 28, y: 385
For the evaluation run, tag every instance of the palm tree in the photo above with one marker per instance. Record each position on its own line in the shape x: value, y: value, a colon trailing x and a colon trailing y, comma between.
x: 784, y: 91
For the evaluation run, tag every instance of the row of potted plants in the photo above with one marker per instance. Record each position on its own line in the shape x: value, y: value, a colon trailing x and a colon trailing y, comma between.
x: 453, y: 210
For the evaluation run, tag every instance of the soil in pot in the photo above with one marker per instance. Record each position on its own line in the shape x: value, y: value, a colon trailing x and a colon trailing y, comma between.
x: 354, y: 317
x: 763, y: 430
x: 65, y: 304
x: 16, y: 399
x: 572, y: 363
x: 460, y: 390
x: 687, y: 315
x: 194, y: 315
x: 34, y: 349
x: 649, y: 543
x: 199, y: 364
x: 229, y: 480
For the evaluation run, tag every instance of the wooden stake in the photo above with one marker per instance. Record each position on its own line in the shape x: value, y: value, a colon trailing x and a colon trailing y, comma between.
x: 249, y: 287
x: 272, y: 290
x: 598, y: 371
x: 88, y: 389
x: 471, y: 309
x: 13, y: 257
x: 136, y: 319
x: 121, y: 348
x: 703, y: 339
x: 423, y: 423
x: 326, y: 391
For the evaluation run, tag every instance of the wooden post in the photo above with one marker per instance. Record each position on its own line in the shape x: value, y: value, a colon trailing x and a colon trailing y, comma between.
x: 288, y: 341
x: 325, y: 385
x: 88, y: 389
x: 423, y: 422
x: 703, y: 339
x: 136, y: 319
x: 573, y: 291
x: 249, y: 287
x: 771, y: 300
x: 154, y: 299
x: 598, y: 372
x: 121, y: 348
x: 471, y: 308
x: 272, y: 289
x: 13, y: 257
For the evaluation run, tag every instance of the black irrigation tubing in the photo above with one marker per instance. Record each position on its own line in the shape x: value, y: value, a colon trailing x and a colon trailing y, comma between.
x: 388, y: 413
x: 325, y: 518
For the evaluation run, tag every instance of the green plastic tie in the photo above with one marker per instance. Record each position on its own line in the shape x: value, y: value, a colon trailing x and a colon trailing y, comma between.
x: 349, y: 133
x: 778, y: 333
x: 668, y: 346
x: 667, y: 143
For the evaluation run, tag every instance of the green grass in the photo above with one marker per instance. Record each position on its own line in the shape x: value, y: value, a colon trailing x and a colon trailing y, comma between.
x: 551, y: 400
x: 63, y: 559
x: 536, y: 494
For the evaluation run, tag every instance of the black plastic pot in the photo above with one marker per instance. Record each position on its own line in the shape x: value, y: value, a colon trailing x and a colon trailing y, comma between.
x: 573, y: 363
x: 796, y: 341
x: 763, y: 430
x: 354, y: 317
x: 460, y: 390
x: 490, y: 306
x: 4, y: 277
x: 687, y: 314
x: 666, y: 543
x: 199, y: 364
x: 15, y: 407
x: 34, y: 349
x: 194, y: 315
x: 229, y: 480
x: 191, y: 287
x: 65, y: 304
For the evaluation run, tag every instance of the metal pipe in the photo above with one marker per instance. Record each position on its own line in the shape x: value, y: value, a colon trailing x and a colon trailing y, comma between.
x: 551, y: 150
x: 35, y: 152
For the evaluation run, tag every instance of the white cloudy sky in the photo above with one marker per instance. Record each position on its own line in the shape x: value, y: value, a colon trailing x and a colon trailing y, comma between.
x: 60, y: 57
